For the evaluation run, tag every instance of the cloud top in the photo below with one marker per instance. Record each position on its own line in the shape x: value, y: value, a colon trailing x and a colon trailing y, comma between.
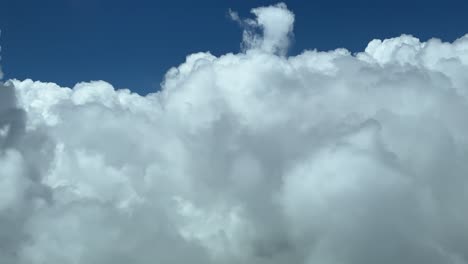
x: 275, y: 24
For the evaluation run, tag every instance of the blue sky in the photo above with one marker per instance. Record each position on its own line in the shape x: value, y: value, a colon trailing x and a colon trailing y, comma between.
x: 131, y: 44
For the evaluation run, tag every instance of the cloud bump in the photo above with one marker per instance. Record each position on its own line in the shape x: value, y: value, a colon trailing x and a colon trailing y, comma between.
x: 255, y: 157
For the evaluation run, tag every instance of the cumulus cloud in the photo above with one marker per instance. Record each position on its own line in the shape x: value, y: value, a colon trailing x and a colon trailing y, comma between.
x: 276, y: 26
x: 256, y: 157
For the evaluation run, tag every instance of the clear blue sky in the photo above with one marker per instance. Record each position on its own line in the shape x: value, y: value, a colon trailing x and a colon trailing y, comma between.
x: 131, y: 44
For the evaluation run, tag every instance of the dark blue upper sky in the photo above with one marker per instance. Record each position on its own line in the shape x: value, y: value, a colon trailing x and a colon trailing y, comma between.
x: 131, y: 44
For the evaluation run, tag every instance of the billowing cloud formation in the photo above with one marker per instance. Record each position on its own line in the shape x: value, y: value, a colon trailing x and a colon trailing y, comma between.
x: 256, y: 157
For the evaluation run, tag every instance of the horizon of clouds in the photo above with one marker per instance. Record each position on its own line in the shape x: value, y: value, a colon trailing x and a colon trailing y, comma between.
x: 255, y: 157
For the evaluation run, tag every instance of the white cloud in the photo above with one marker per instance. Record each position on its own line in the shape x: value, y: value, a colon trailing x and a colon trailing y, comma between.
x: 275, y: 22
x: 256, y: 157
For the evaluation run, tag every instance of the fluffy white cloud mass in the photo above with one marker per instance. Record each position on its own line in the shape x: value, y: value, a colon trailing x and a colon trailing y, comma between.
x: 255, y: 157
